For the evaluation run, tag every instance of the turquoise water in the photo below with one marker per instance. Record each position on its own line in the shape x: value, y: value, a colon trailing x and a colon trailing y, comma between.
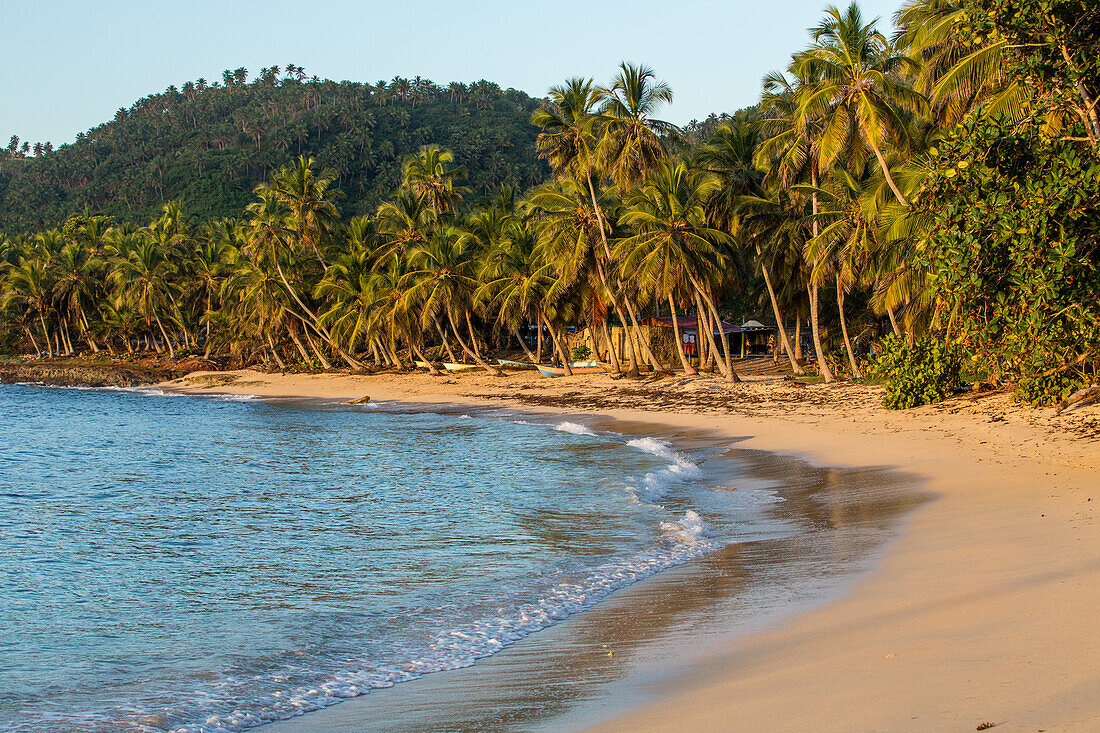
x: 195, y: 564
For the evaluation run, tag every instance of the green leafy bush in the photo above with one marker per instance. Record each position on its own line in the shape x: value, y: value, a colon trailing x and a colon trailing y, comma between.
x: 580, y: 352
x: 917, y: 373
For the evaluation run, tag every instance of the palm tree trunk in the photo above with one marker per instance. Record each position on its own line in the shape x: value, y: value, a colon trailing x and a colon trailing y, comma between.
x: 274, y: 351
x: 84, y: 330
x: 798, y: 336
x: 649, y: 355
x: 707, y: 330
x: 317, y: 352
x: 37, y: 351
x: 480, y: 362
x: 432, y: 369
x: 822, y: 365
x: 889, y: 178
x: 538, y: 341
x: 523, y: 345
x: 298, y: 344
x: 679, y: 340
x: 473, y: 336
x: 701, y: 343
x: 729, y: 371
x: 844, y: 329
x: 561, y: 351
x: 209, y: 304
x: 612, y: 355
x: 443, y: 337
x: 168, y: 342
x: 796, y: 368
x: 632, y: 370
x: 893, y: 321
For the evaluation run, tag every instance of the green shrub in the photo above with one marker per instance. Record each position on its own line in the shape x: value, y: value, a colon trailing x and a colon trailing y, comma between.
x: 580, y: 352
x: 915, y: 374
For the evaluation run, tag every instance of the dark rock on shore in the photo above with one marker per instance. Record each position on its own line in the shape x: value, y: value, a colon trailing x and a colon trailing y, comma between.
x: 63, y: 374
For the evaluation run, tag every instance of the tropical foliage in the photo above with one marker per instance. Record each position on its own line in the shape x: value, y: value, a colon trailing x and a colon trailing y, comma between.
x: 206, y: 145
x: 939, y: 187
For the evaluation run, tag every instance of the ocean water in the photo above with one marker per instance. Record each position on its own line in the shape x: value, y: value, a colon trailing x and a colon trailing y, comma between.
x: 171, y: 563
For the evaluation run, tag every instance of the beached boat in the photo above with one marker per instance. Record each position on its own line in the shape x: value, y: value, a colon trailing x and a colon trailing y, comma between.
x: 509, y: 364
x: 452, y: 367
x: 577, y: 367
x: 422, y: 365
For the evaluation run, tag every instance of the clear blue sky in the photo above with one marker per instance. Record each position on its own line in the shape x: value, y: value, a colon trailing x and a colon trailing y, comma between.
x: 70, y: 64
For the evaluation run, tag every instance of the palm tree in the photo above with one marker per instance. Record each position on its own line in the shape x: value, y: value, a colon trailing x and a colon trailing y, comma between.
x: 441, y: 281
x: 957, y: 73
x: 143, y: 278
x: 857, y: 90
x: 75, y: 271
x: 790, y: 153
x: 431, y: 174
x: 27, y: 289
x: 516, y: 280
x: 631, y: 141
x: 569, y: 141
x: 309, y: 202
x: 729, y: 155
x: 673, y: 248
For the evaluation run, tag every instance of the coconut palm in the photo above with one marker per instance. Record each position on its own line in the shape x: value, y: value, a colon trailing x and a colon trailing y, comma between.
x: 440, y: 282
x: 143, y: 278
x: 27, y: 289
x: 858, y: 90
x: 790, y: 153
x: 309, y: 202
x: 729, y: 156
x: 432, y: 175
x: 673, y: 248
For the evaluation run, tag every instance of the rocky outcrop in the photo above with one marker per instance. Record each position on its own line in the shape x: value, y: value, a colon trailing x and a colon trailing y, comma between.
x: 60, y: 374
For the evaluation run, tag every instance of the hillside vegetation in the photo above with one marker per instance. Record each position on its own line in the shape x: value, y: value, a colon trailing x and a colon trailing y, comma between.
x: 207, y: 145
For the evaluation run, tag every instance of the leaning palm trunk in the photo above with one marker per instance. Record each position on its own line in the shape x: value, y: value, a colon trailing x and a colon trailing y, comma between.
x: 889, y: 178
x: 795, y: 366
x: 632, y: 370
x: 167, y: 341
x: 644, y: 342
x: 523, y: 345
x: 297, y: 342
x: 473, y: 335
x: 679, y: 340
x: 313, y: 323
x: 560, y: 349
x: 432, y: 368
x: 844, y: 329
x: 893, y: 321
x: 37, y: 351
x: 707, y: 330
x: 443, y: 338
x: 469, y: 352
x: 728, y: 372
x: 822, y: 365
x: 612, y: 356
x: 274, y: 351
x: 317, y: 352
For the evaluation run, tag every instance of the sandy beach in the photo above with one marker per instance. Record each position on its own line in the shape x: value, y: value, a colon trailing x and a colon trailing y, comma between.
x: 982, y: 611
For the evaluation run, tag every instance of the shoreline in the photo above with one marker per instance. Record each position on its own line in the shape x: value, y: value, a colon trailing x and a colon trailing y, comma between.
x: 980, y: 612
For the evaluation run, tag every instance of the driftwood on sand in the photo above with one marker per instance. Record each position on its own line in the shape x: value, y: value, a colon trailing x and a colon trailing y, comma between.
x: 1086, y: 395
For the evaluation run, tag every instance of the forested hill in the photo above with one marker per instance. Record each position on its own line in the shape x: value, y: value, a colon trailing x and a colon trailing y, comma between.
x: 207, y: 145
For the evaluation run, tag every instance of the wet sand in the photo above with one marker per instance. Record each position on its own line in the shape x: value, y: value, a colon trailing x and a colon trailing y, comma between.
x: 982, y: 611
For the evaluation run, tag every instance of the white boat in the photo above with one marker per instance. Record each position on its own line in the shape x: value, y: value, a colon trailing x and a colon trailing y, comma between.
x: 452, y: 367
x: 509, y: 364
